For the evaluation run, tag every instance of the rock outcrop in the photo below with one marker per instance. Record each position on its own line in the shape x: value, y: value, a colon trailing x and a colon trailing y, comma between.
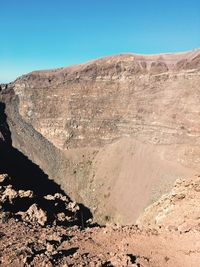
x: 179, y: 209
x: 28, y: 206
x: 171, y: 238
x: 113, y: 132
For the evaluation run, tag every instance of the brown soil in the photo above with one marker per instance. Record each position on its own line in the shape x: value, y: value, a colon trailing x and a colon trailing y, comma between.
x: 64, y: 241
x: 27, y: 245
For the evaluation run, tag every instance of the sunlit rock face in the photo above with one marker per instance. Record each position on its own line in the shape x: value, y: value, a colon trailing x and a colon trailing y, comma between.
x: 114, y: 132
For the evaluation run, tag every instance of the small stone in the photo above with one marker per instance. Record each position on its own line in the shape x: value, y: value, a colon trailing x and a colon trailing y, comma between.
x: 55, y: 237
x: 61, y: 217
x: 9, y: 194
x: 34, y: 214
x: 27, y: 193
x: 50, y: 248
x: 3, y: 177
x: 49, y: 197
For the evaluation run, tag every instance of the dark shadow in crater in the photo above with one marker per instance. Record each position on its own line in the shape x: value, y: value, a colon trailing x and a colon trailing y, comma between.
x: 26, y: 175
x: 23, y: 172
x: 4, y: 128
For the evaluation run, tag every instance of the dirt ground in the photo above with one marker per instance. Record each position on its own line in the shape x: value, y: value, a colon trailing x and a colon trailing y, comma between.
x: 27, y: 245
x: 50, y: 230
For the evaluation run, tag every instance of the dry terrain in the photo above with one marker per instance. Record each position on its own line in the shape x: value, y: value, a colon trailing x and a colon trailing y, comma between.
x: 99, y: 164
x: 112, y: 132
x: 51, y: 231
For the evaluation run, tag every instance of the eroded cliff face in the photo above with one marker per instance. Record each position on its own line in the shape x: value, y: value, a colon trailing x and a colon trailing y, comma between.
x: 114, y: 132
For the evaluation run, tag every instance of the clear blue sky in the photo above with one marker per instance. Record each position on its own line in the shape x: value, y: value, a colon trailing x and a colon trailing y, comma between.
x: 40, y: 34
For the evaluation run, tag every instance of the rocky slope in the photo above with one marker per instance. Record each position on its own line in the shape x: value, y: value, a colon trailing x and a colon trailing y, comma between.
x: 178, y: 209
x: 114, y: 132
x: 31, y: 238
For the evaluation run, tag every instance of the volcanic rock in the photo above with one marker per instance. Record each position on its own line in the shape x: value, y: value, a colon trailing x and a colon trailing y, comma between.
x: 114, y: 132
x: 34, y: 209
x: 166, y: 242
x: 34, y: 214
x: 179, y: 209
x: 3, y: 177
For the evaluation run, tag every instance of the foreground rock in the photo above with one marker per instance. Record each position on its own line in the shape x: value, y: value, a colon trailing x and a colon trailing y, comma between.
x: 25, y: 245
x: 31, y: 208
x: 35, y: 215
x: 31, y: 239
